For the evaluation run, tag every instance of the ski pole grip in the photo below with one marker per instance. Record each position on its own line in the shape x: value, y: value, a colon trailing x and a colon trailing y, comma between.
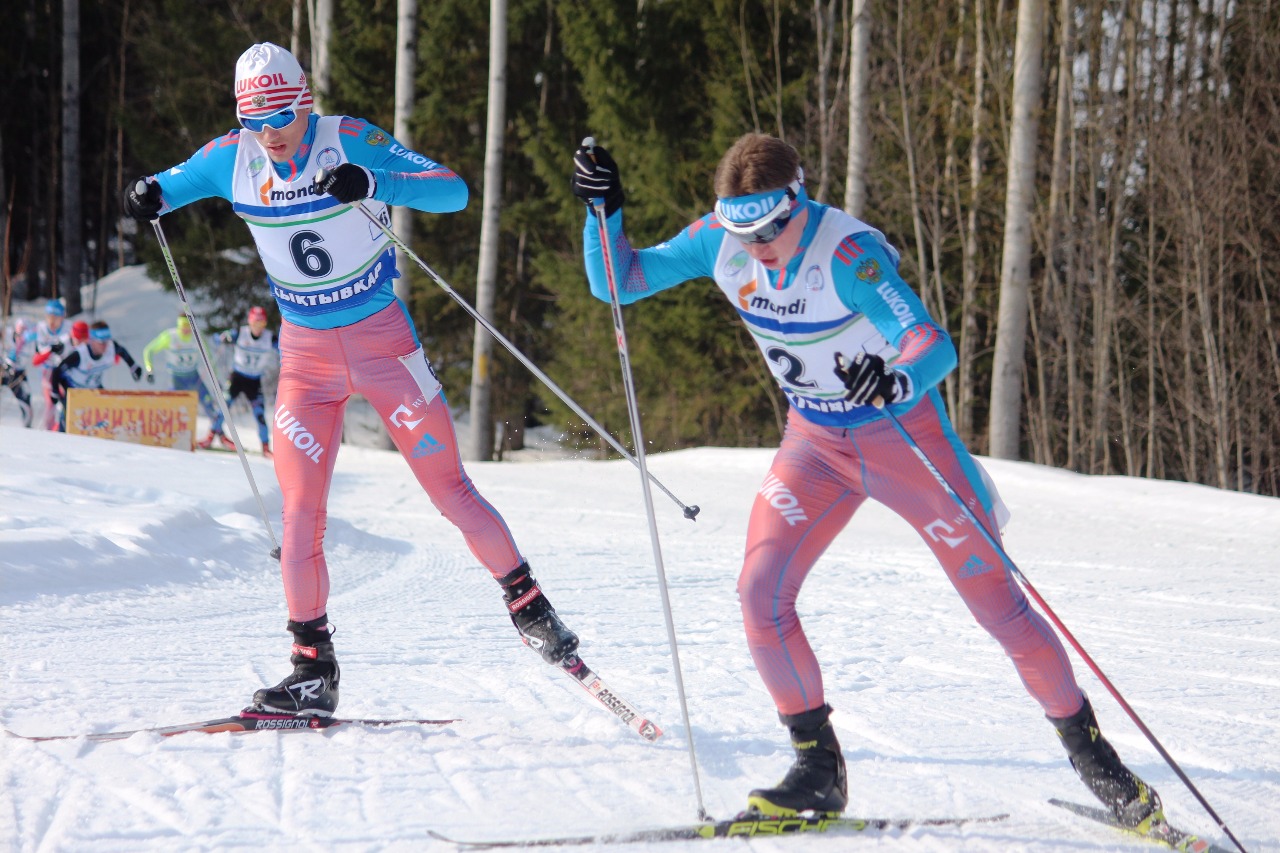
x: 589, y: 143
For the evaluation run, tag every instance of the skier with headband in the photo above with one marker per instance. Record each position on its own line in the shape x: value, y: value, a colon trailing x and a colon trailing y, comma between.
x: 253, y: 351
x: 294, y: 176
x: 843, y: 334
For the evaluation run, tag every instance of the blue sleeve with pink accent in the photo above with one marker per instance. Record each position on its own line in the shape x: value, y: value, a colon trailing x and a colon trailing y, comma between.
x: 206, y: 174
x: 644, y: 272
x: 404, y: 177
x: 867, y: 280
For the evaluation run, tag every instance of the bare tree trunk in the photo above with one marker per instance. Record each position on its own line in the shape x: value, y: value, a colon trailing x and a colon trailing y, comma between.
x: 120, y: 106
x: 1057, y: 275
x: 71, y: 258
x: 855, y: 184
x: 406, y: 63
x: 908, y: 145
x: 486, y: 276
x: 321, y: 31
x: 1015, y: 272
x: 824, y: 24
x: 295, y: 29
x: 967, y: 351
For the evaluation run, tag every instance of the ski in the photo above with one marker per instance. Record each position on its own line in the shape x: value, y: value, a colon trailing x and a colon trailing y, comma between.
x: 1160, y: 832
x: 590, y: 682
x: 243, y: 722
x: 743, y: 826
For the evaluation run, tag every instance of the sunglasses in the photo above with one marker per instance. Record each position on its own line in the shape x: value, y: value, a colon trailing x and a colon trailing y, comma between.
x: 275, y: 121
x: 764, y: 233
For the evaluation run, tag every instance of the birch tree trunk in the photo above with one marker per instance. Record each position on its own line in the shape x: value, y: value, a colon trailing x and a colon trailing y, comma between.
x: 406, y: 62
x: 487, y: 274
x: 1015, y: 268
x: 855, y: 183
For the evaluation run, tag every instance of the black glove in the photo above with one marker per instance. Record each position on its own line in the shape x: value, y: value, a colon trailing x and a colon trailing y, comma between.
x: 347, y: 183
x: 151, y: 378
x: 141, y: 200
x: 595, y: 175
x: 136, y: 370
x: 869, y: 379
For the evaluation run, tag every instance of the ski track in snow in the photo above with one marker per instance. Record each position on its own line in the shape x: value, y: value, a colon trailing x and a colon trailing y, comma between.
x: 136, y: 591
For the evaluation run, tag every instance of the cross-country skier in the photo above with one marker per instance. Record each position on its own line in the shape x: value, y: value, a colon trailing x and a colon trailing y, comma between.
x: 255, y: 349
x: 19, y: 346
x: 343, y: 332
x: 86, y: 366
x: 52, y: 340
x: 182, y: 352
x: 817, y: 287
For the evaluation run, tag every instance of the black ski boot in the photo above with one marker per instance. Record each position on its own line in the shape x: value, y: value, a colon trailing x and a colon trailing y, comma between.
x: 817, y: 782
x: 1132, y: 801
x: 312, y: 688
x: 535, y: 618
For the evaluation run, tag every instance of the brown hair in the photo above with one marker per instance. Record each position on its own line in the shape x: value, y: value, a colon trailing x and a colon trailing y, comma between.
x: 755, y: 163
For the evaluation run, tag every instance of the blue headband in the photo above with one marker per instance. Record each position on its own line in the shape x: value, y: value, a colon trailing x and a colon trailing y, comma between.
x: 746, y: 213
x: 100, y: 334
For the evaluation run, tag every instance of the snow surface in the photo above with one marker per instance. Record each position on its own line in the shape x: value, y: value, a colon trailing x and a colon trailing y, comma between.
x: 136, y: 590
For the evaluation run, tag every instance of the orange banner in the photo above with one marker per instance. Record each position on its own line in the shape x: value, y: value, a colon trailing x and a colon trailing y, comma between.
x: 157, y: 418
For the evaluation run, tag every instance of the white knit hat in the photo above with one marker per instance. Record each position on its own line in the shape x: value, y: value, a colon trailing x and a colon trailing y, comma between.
x: 269, y: 79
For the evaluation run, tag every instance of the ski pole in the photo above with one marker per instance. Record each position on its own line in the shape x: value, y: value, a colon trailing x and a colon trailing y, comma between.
x: 213, y: 377
x: 1053, y: 617
x: 690, y: 512
x: 633, y: 411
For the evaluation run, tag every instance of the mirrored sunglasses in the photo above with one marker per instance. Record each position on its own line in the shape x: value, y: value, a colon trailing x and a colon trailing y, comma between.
x: 764, y: 233
x: 275, y: 121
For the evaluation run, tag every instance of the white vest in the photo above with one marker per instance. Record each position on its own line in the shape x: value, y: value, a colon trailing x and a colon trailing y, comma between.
x: 252, y: 355
x: 320, y: 254
x: 183, y: 355
x: 801, y: 327
x: 90, y: 372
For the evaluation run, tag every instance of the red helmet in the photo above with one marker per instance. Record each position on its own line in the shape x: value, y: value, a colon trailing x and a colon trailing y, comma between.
x: 257, y: 312
x: 80, y: 331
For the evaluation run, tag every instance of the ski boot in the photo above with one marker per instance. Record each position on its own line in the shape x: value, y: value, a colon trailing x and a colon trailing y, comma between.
x: 207, y: 442
x: 1134, y: 804
x: 535, y: 618
x: 226, y: 442
x: 817, y: 782
x: 312, y: 688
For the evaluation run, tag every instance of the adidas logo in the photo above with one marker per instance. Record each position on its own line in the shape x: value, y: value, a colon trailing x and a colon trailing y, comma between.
x: 426, y: 446
x: 973, y: 567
